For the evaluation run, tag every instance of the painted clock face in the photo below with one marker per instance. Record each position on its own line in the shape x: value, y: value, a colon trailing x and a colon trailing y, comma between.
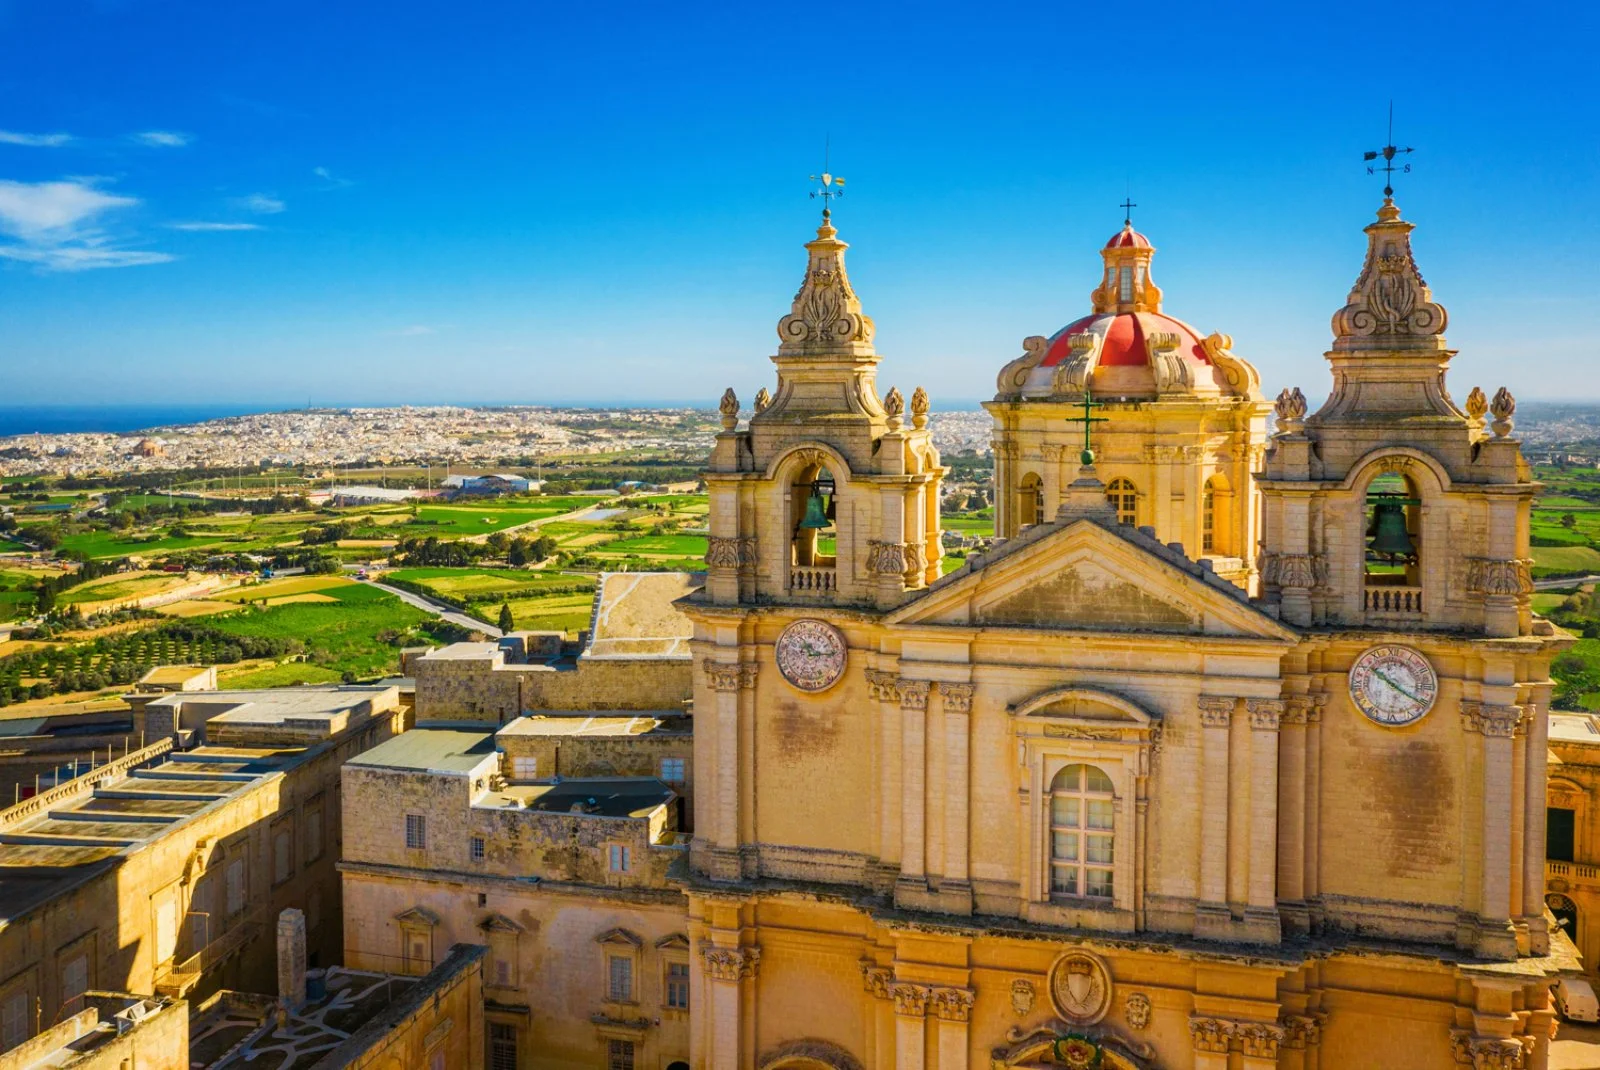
x: 811, y: 654
x: 1393, y: 685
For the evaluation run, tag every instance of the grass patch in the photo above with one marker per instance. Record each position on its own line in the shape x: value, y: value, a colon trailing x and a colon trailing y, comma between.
x: 1557, y: 560
x: 468, y: 583
x: 289, y: 585
x: 566, y: 613
x: 343, y: 635
x: 677, y: 545
x: 125, y: 585
x: 294, y: 674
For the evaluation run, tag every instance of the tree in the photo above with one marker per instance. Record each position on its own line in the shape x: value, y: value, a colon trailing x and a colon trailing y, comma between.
x: 507, y: 622
x: 498, y: 541
x: 1569, y: 521
x: 517, y: 553
x: 542, y: 547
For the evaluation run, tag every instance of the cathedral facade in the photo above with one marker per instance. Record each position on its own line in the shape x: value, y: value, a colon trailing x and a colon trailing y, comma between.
x: 1229, y: 755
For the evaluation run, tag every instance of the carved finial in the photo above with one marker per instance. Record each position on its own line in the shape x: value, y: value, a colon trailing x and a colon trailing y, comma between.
x: 826, y: 317
x: 1502, y: 407
x: 1290, y: 409
x: 1390, y: 307
x: 894, y: 403
x: 763, y: 399
x: 919, y: 408
x: 730, y: 409
x: 1477, y: 405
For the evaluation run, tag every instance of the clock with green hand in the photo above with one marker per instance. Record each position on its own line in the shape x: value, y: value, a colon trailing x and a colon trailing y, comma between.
x: 811, y: 654
x: 1393, y: 685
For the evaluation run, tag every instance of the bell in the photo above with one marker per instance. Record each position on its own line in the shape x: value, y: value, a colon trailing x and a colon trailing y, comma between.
x: 816, y: 516
x: 1389, y: 535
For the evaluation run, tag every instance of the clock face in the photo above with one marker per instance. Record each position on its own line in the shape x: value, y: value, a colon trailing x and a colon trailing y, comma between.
x: 1393, y: 685
x: 811, y: 654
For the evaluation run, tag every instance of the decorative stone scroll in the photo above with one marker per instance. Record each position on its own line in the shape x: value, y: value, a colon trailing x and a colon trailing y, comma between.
x: 1489, y: 576
x: 826, y: 314
x: 1390, y: 303
x: 1265, y: 714
x: 732, y: 964
x: 909, y: 999
x: 1213, y: 1036
x: 722, y: 676
x: 914, y: 694
x: 722, y: 552
x: 1492, y: 721
x: 887, y: 558
x: 951, y: 1004
x: 1216, y: 711
x: 957, y: 697
x: 883, y: 686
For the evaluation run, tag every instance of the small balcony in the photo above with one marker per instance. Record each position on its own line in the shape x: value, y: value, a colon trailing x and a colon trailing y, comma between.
x: 813, y: 581
x: 1392, y: 603
x: 1571, y: 870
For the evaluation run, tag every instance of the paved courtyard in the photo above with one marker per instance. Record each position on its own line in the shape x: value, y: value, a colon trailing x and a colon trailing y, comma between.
x: 1576, y: 1047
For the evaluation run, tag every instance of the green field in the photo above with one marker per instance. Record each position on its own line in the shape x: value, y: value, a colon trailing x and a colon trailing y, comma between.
x: 1560, y: 560
x: 115, y: 588
x: 676, y: 545
x: 470, y: 583
x: 566, y: 613
x: 342, y: 636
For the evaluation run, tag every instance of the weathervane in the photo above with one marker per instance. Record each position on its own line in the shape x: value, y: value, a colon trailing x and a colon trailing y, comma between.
x: 1388, y: 153
x: 832, y: 184
x: 1088, y: 422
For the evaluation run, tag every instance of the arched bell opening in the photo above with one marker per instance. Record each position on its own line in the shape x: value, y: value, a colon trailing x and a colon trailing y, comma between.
x: 1216, y: 518
x: 1030, y: 500
x: 813, y: 504
x: 1393, y: 532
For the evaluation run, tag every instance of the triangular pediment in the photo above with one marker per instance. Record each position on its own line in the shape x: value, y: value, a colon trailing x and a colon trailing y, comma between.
x: 1085, y: 576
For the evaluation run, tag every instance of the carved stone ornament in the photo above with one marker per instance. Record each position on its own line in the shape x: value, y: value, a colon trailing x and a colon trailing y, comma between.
x: 1302, y: 1031
x: 1015, y: 374
x: 763, y: 399
x: 1212, y: 1036
x: 1080, y: 987
x: 1390, y: 304
x: 914, y: 694
x: 722, y: 552
x: 1259, y: 1040
x: 729, y: 407
x: 1487, y: 576
x: 1083, y: 356
x: 909, y: 1000
x: 894, y: 405
x: 919, y: 408
x: 1022, y: 996
x: 952, y: 1004
x: 1489, y: 1053
x: 883, y: 686
x: 875, y: 979
x: 731, y: 963
x: 826, y: 315
x: 1137, y: 1010
x: 1265, y: 714
x: 722, y: 676
x: 1241, y: 376
x: 1172, y: 373
x: 1493, y: 721
x: 1502, y: 408
x: 1290, y: 410
x: 957, y: 697
x: 886, y: 558
x: 1216, y: 711
x: 1477, y: 405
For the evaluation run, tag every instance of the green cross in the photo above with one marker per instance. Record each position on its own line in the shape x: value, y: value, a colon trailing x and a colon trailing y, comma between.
x: 1088, y: 422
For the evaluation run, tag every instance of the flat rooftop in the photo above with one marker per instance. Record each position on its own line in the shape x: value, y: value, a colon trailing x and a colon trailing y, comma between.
x: 232, y: 1033
x: 431, y: 750
x: 464, y: 652
x: 46, y: 853
x: 1574, y: 728
x: 582, y: 723
x: 635, y: 615
x: 281, y: 705
x: 592, y: 797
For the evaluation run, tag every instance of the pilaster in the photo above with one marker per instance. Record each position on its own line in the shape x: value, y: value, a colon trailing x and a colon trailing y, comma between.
x: 956, y: 700
x: 1212, y: 916
x: 913, y: 782
x: 732, y: 970
x: 1496, y: 724
x: 1261, y: 912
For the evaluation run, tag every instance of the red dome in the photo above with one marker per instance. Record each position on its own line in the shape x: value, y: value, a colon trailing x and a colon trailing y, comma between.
x: 1128, y: 238
x: 1124, y: 334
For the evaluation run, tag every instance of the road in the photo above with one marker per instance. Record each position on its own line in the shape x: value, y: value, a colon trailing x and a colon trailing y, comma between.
x: 1576, y: 1047
x: 1565, y: 581
x: 442, y: 611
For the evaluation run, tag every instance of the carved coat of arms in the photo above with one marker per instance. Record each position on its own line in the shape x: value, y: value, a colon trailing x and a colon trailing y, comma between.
x: 1080, y: 987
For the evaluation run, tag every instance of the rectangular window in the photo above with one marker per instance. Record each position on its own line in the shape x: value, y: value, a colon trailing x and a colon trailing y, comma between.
x: 14, y: 1019
x: 416, y: 831
x: 619, y: 978
x: 678, y: 986
x: 502, y: 1046
x: 479, y: 849
x: 74, y: 979
x: 1558, y: 835
x: 524, y: 768
x: 282, y: 857
x: 313, y: 835
x: 620, y: 860
x: 672, y: 770
x: 236, y: 887
x: 502, y: 972
x: 619, y: 1055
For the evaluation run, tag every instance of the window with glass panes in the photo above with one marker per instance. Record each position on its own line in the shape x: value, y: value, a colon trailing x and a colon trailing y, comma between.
x: 1082, y: 809
x: 1124, y: 499
x: 619, y: 978
x: 502, y: 1046
x: 678, y: 986
x: 1208, y: 519
x: 416, y: 831
x: 672, y: 770
x: 619, y: 1055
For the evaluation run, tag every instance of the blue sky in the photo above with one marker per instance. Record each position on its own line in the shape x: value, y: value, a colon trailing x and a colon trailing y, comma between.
x: 275, y: 203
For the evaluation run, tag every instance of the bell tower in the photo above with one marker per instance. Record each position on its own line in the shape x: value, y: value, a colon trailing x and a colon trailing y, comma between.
x: 826, y: 496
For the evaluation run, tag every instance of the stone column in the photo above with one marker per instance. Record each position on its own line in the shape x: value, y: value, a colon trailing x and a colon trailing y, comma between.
x: 877, y: 980
x: 291, y: 959
x: 957, y: 702
x: 910, y: 1025
x: 1533, y: 815
x: 953, y: 1008
x: 1496, y: 723
x: 913, y: 783
x: 1313, y: 851
x: 1212, y: 1037
x: 729, y: 968
x: 884, y: 688
x: 1004, y: 491
x: 1302, y: 1041
x: 1212, y: 914
x: 1261, y: 909
x: 1161, y: 493
x: 747, y: 835
x: 1258, y: 1044
x: 724, y: 679
x: 1052, y: 480
x: 1292, y: 815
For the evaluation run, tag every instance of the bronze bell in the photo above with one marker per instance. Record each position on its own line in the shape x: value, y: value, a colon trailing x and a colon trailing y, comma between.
x: 1389, y: 535
x: 816, y: 515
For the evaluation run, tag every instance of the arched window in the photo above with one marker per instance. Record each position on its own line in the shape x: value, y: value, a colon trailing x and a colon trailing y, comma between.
x: 1208, y: 519
x: 1124, y: 499
x: 1030, y: 501
x: 1394, y: 532
x: 813, y: 500
x: 1081, y: 838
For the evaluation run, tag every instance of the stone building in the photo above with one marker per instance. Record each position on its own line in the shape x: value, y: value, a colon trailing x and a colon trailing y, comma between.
x: 1572, y: 839
x: 1086, y: 802
x: 160, y: 872
x: 1179, y: 419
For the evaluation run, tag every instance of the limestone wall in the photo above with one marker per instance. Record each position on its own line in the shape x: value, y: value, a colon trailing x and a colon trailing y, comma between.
x: 486, y: 689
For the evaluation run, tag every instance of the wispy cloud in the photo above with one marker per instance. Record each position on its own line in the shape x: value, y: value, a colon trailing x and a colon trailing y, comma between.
x: 162, y: 139
x: 56, y: 226
x: 330, y: 180
x: 261, y: 203
x: 416, y: 330
x: 214, y: 226
x: 43, y: 141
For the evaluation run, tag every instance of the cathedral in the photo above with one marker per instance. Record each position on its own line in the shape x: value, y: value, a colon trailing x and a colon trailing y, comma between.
x: 1229, y: 753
